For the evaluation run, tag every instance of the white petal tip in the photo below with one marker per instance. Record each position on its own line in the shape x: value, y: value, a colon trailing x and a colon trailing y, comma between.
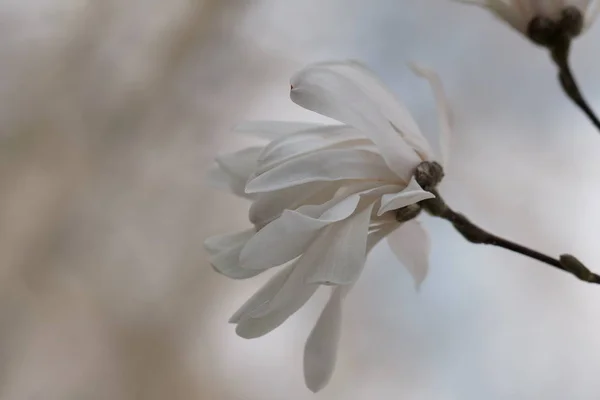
x: 315, y: 382
x: 417, y: 197
x: 249, y: 189
x: 243, y: 331
x: 314, y: 388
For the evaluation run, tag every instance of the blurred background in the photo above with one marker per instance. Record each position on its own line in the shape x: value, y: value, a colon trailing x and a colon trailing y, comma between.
x: 112, y: 110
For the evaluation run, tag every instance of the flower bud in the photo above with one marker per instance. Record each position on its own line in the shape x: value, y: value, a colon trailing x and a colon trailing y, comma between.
x: 429, y: 174
x: 571, y: 22
x: 542, y: 30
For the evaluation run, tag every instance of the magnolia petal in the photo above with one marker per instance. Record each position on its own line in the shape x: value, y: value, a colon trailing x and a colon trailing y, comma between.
x: 219, y: 179
x: 413, y: 193
x: 294, y: 293
x: 268, y: 206
x: 272, y: 130
x: 284, y: 300
x: 238, y: 166
x: 220, y: 243
x: 224, y: 251
x: 321, y: 89
x: 505, y: 12
x: 390, y: 106
x: 258, y: 326
x: 264, y: 295
x: 304, y: 142
x: 340, y: 261
x: 411, y: 244
x: 320, y: 351
x: 233, y: 170
x: 379, y: 233
x: 443, y: 109
x: 289, y: 235
x: 323, y: 166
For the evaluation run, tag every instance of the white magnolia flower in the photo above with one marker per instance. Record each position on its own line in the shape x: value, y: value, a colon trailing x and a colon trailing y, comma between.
x: 519, y: 14
x: 322, y: 197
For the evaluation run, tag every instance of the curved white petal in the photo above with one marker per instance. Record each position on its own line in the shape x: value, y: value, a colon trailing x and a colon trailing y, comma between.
x: 285, y: 299
x: 264, y: 295
x: 413, y: 193
x: 443, y: 109
x: 219, y: 243
x: 219, y: 179
x: 294, y: 293
x: 237, y: 167
x: 224, y: 251
x: 410, y: 243
x: 323, y: 166
x: 340, y: 260
x: 389, y: 105
x: 328, y: 92
x: 258, y: 326
x: 377, y: 234
x: 289, y: 235
x: 268, y: 206
x: 233, y: 170
x: 320, y: 351
x: 272, y: 130
x: 510, y: 14
x: 304, y: 142
x: 240, y: 163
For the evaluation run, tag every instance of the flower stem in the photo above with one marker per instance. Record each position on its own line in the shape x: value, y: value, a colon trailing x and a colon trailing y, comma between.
x: 474, y: 234
x: 560, y: 55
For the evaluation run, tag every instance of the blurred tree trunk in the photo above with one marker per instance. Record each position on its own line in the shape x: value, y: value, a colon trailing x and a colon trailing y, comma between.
x: 107, y: 127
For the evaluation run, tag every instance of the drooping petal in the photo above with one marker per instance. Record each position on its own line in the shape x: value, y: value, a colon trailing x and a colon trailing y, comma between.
x: 443, y: 110
x: 258, y: 326
x: 377, y: 234
x: 389, y: 105
x: 252, y: 328
x: 505, y: 12
x: 272, y: 130
x: 224, y: 251
x: 304, y: 142
x: 326, y: 91
x: 263, y: 296
x: 410, y: 243
x: 320, y: 351
x: 341, y: 260
x: 323, y: 166
x: 413, y: 193
x: 289, y: 235
x: 293, y: 293
x: 285, y: 299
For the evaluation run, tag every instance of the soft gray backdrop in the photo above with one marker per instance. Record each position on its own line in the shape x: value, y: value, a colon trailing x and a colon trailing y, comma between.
x: 110, y: 113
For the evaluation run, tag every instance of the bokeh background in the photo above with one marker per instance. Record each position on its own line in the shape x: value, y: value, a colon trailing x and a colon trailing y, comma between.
x: 112, y: 110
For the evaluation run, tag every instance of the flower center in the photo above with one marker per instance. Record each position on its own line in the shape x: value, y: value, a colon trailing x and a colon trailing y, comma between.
x: 428, y: 175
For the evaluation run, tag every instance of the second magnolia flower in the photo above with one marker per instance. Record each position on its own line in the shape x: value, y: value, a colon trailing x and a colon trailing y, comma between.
x: 322, y: 197
x: 541, y: 19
